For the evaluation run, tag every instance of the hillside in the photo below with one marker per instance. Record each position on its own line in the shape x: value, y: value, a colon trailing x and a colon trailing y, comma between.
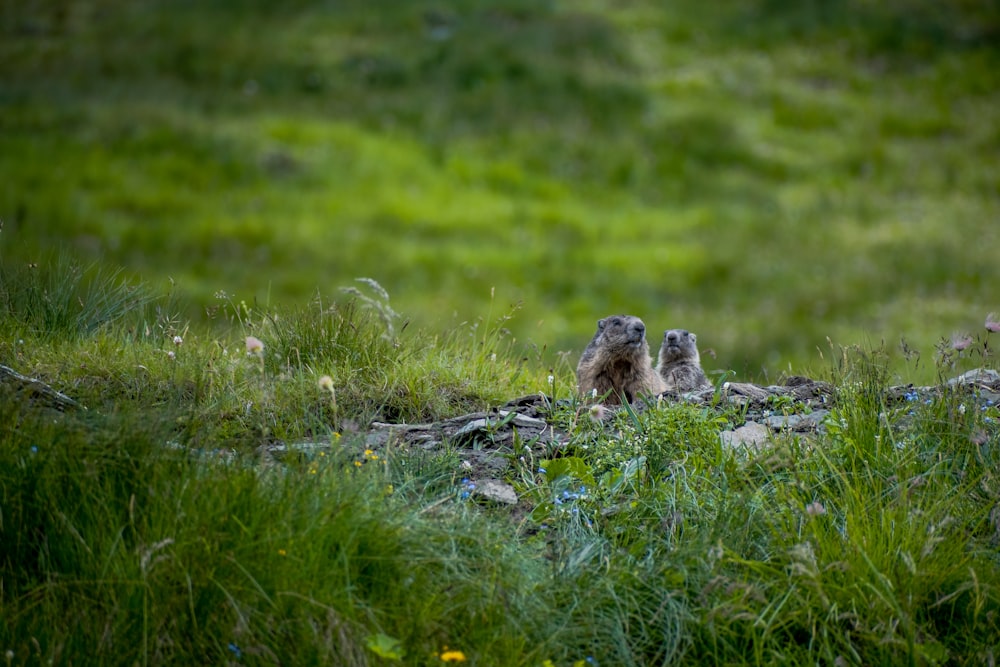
x: 768, y: 176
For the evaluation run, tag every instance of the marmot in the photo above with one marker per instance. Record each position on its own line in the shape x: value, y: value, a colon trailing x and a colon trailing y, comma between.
x: 679, y: 362
x: 616, y: 362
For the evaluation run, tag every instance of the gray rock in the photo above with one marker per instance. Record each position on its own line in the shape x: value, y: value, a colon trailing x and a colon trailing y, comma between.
x: 979, y: 376
x: 484, y: 461
x: 495, y: 491
x: 803, y: 422
x: 751, y: 435
x: 492, y: 430
x: 750, y: 391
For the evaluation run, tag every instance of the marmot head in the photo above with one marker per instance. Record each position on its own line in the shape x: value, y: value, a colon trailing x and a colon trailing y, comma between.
x: 621, y: 331
x: 678, y: 344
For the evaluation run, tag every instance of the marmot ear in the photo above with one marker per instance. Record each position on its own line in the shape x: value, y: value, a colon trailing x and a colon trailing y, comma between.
x: 601, y: 324
x: 694, y: 339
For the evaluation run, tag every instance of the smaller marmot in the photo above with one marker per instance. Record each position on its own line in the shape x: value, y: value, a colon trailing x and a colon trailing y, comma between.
x: 680, y: 364
x: 616, y: 362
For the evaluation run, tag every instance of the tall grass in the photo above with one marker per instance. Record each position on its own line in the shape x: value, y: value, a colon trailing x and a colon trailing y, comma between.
x: 152, y: 528
x: 55, y: 297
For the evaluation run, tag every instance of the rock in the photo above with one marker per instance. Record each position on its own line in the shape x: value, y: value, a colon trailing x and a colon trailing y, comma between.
x: 751, y: 392
x: 495, y: 429
x: 495, y: 491
x: 979, y: 376
x: 35, y: 391
x: 532, y: 405
x: 751, y: 435
x: 990, y: 397
x: 804, y: 389
x: 803, y: 422
x: 499, y: 430
x: 483, y: 461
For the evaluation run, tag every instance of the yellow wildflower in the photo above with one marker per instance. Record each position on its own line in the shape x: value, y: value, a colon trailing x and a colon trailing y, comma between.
x: 452, y: 656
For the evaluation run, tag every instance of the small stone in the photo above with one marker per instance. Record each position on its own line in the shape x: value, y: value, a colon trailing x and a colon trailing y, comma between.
x: 986, y: 376
x: 804, y: 422
x: 496, y: 491
x: 751, y: 435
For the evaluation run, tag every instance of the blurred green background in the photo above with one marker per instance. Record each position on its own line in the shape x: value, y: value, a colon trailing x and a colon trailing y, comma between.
x: 767, y: 174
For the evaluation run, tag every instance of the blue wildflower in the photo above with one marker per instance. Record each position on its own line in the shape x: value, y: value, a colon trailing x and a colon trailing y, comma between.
x: 541, y: 470
x: 236, y: 650
x: 34, y: 449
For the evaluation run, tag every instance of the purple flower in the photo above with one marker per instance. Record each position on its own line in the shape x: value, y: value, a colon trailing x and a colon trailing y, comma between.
x: 961, y: 341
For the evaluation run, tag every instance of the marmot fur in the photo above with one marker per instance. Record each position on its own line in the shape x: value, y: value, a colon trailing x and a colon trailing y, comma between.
x: 679, y: 362
x: 616, y: 362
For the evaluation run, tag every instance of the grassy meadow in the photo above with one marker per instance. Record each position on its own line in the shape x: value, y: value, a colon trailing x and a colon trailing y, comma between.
x: 768, y: 176
x: 153, y: 527
x: 189, y: 192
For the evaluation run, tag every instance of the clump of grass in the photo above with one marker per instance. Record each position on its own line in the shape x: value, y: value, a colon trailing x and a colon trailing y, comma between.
x: 57, y: 297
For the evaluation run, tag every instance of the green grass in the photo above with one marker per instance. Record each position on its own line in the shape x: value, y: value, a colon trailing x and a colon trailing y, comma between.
x: 766, y: 176
x: 151, y: 528
x: 803, y: 186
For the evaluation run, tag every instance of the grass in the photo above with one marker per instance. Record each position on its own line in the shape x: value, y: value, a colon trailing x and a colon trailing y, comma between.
x: 766, y: 176
x: 150, y: 528
x: 801, y: 186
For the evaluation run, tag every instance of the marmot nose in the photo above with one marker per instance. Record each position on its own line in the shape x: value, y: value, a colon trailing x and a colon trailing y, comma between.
x: 639, y: 327
x: 672, y: 337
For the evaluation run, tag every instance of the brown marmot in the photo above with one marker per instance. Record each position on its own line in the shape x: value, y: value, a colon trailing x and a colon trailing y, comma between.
x: 679, y: 362
x: 616, y: 362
